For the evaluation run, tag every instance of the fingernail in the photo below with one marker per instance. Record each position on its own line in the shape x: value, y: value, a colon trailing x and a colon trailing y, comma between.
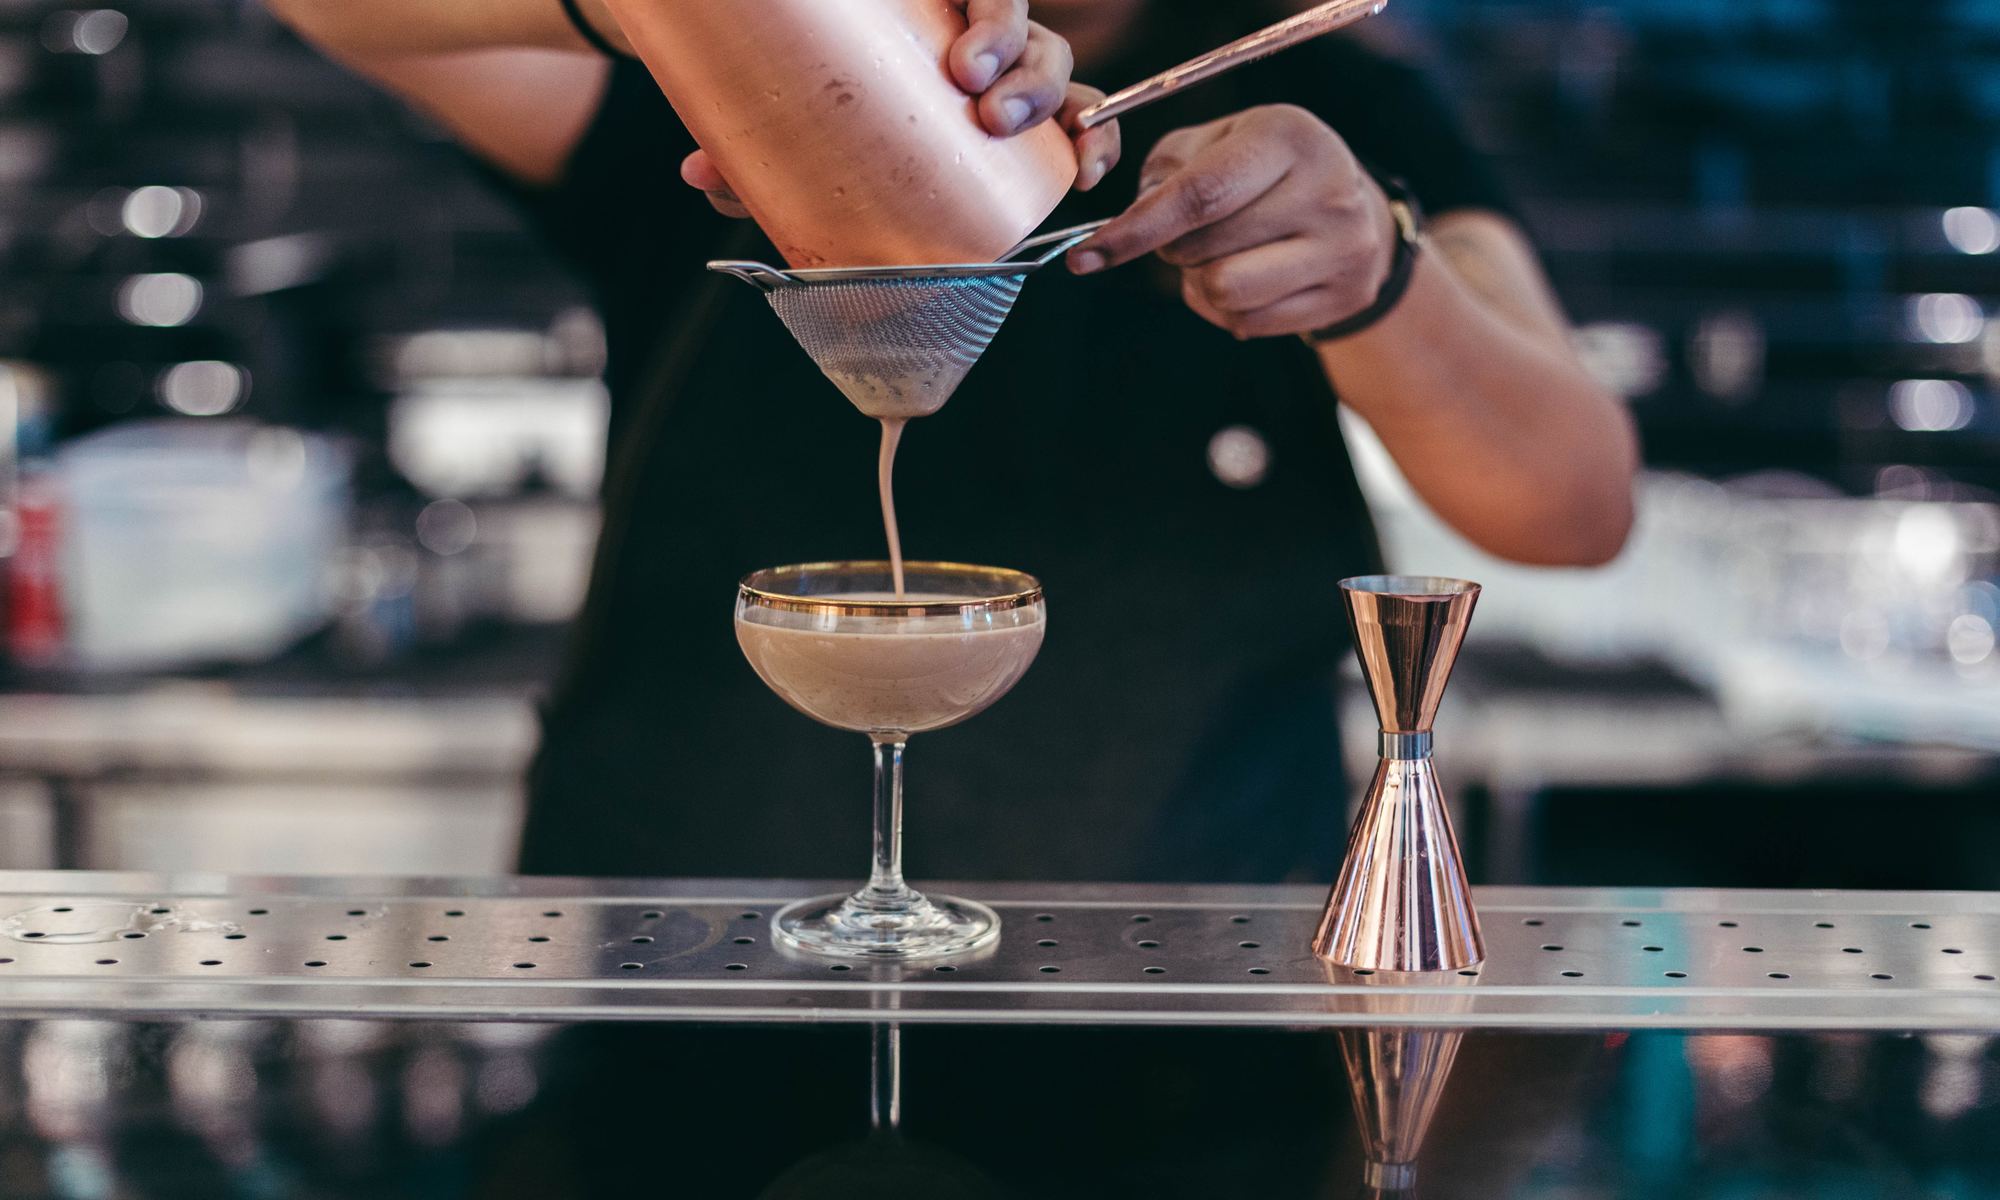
x: 1087, y: 177
x: 1016, y: 111
x: 989, y: 68
x: 1084, y: 262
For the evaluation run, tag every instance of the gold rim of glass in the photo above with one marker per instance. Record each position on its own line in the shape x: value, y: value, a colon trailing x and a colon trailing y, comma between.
x: 1025, y: 590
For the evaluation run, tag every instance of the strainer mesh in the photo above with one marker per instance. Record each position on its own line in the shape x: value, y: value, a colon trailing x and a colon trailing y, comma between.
x: 897, y: 346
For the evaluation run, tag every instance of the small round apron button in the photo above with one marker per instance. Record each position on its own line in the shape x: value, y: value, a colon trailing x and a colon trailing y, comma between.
x: 1239, y: 457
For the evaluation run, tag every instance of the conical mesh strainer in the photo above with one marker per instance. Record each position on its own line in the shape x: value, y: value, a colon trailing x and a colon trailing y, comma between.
x: 897, y: 341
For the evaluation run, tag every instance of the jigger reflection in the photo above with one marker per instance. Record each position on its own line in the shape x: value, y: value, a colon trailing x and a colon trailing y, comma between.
x: 1398, y: 1074
x: 1402, y: 902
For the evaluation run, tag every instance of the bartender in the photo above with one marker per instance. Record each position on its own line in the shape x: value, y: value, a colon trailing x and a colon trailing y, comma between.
x: 1155, y: 438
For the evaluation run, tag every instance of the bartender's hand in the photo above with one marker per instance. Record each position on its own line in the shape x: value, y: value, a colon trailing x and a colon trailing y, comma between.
x: 1273, y: 223
x: 1020, y: 72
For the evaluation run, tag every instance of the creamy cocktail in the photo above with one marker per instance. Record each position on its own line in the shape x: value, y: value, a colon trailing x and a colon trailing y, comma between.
x: 885, y: 674
x: 838, y: 643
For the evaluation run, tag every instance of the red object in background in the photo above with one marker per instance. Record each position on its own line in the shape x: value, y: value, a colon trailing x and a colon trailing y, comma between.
x: 34, y: 618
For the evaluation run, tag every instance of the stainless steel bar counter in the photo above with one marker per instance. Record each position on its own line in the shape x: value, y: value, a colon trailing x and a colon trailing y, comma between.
x: 554, y: 950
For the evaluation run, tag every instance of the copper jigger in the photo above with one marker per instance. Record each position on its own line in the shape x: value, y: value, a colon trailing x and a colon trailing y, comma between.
x: 1402, y: 902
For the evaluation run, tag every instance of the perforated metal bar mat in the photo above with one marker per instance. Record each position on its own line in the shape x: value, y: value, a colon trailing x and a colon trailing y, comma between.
x: 574, y: 950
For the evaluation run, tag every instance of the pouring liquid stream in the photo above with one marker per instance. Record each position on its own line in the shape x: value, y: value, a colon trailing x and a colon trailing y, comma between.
x: 885, y: 468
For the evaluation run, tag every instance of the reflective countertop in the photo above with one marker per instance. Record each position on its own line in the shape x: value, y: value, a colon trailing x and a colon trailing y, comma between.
x: 384, y: 1111
x: 204, y: 1036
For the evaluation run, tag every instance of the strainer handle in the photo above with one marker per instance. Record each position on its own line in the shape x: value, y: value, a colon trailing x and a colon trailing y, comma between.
x: 1052, y: 245
x: 758, y: 275
x: 1307, y: 25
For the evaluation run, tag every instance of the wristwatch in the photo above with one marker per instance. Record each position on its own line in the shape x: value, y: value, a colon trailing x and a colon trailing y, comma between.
x: 1409, y: 217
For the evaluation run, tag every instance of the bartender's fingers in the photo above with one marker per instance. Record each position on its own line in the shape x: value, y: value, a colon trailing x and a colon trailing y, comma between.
x: 1191, y: 295
x: 996, y: 37
x: 1259, y: 278
x: 1098, y: 149
x: 1031, y: 92
x: 1258, y: 225
x: 1298, y: 313
x: 1289, y: 317
x: 1213, y: 184
x: 699, y: 170
x: 1172, y: 153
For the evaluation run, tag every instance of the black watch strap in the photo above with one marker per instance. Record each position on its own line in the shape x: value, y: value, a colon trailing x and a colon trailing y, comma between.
x: 589, y: 32
x: 1409, y: 241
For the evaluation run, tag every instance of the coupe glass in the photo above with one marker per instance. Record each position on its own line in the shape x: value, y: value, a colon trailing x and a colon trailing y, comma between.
x: 838, y: 644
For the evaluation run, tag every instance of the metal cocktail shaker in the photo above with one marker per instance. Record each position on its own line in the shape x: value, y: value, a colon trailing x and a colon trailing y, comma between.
x: 841, y: 129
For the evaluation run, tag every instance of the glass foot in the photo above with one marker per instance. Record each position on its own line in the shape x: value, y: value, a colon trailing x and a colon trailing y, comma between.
x: 915, y: 926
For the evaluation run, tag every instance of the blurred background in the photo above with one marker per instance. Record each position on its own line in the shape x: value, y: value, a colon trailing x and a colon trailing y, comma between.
x: 300, y: 435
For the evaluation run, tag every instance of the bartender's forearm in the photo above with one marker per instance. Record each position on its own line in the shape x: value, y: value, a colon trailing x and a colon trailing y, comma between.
x: 1278, y: 230
x: 365, y: 30
x: 1472, y: 389
x: 504, y: 76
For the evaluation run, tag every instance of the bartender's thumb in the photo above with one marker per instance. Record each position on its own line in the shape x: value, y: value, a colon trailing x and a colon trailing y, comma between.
x: 700, y: 171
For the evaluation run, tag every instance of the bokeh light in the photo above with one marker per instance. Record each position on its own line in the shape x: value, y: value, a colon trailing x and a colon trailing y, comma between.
x: 204, y: 388
x: 92, y: 31
x: 1972, y: 230
x: 158, y: 211
x: 1930, y: 405
x: 161, y: 300
x: 1946, y: 318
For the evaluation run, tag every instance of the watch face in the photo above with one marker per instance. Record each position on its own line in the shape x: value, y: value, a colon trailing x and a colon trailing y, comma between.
x: 1407, y: 221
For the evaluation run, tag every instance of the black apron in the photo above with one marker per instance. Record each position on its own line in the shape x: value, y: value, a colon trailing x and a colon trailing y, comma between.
x: 1180, y: 720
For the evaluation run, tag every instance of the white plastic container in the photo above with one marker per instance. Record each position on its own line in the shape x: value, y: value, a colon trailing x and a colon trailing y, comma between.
x: 191, y: 542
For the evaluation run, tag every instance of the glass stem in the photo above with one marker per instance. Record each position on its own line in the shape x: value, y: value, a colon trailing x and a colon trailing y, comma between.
x: 885, y: 881
x: 885, y: 1093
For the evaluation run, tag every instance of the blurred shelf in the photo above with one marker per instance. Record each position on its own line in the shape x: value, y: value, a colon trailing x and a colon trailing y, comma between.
x: 465, y: 713
x: 182, y: 732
